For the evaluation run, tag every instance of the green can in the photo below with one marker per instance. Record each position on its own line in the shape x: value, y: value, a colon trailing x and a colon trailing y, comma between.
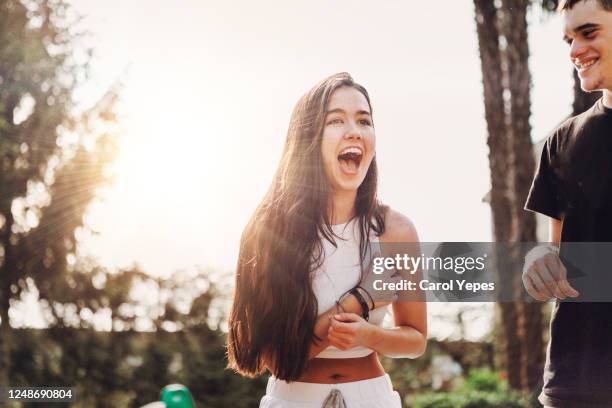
x: 177, y: 396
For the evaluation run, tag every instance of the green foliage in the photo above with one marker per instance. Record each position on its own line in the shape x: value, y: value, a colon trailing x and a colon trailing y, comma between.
x: 486, y: 380
x: 128, y: 369
x: 123, y: 369
x: 413, y: 376
x: 482, y: 389
x: 53, y: 159
x: 473, y: 399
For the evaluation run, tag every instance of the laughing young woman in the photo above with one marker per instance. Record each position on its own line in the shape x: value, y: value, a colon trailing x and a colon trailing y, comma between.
x: 300, y: 306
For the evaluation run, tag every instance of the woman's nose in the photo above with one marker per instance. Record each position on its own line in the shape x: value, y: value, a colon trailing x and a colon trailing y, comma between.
x: 353, y: 133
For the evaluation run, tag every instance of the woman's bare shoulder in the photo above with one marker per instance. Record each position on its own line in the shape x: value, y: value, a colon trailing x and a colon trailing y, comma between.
x: 398, y: 228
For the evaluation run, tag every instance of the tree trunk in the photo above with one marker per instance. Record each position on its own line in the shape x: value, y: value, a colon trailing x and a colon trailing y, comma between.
x: 5, y: 343
x: 506, y: 83
x: 523, y: 167
x: 490, y: 58
x: 519, y: 84
x: 5, y: 295
x: 499, y: 151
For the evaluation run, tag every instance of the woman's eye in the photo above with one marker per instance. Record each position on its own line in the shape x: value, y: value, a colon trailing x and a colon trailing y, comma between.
x: 589, y: 34
x: 365, y: 122
x: 334, y: 121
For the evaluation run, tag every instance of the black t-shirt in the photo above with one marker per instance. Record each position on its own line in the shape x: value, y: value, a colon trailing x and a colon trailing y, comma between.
x: 574, y: 184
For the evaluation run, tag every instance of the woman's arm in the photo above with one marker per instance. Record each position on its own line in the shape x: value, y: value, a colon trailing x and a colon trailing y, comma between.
x: 349, y: 305
x: 321, y: 329
x: 408, y: 339
x: 409, y: 336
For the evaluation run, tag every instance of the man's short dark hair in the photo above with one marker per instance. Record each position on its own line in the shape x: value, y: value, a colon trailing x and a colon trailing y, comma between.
x: 569, y: 4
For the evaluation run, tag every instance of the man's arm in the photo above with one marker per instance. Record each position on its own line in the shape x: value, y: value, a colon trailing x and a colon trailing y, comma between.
x: 554, y: 232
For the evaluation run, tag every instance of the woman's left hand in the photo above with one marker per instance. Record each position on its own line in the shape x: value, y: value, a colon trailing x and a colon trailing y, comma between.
x: 348, y: 330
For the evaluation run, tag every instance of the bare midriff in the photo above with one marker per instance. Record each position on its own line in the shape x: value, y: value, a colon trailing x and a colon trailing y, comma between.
x: 341, y: 370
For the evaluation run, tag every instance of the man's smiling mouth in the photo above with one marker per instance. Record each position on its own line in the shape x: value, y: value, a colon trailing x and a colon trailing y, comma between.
x: 582, y: 65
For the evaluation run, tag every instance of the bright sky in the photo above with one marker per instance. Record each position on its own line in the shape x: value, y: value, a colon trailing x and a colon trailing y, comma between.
x: 211, y: 86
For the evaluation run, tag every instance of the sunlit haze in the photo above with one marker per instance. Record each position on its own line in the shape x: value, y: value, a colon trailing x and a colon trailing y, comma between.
x: 209, y: 88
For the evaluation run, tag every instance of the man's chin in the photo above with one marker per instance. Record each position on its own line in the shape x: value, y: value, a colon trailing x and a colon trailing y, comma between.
x: 589, y: 85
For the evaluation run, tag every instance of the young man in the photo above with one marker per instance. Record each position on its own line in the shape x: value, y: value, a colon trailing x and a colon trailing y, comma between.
x: 573, y: 186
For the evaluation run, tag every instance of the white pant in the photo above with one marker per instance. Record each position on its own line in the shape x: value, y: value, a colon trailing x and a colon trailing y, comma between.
x: 373, y: 393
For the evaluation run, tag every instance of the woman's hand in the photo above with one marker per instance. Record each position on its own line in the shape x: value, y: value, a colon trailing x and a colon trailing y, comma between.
x: 348, y: 330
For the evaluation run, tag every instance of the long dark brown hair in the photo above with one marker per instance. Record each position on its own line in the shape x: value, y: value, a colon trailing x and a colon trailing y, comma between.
x: 274, y: 308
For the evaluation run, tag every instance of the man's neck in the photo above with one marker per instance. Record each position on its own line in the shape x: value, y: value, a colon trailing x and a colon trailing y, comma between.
x: 607, y: 98
x: 344, y: 206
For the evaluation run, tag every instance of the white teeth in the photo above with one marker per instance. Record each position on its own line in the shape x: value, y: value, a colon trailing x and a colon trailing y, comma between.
x: 355, y: 150
x: 587, y: 64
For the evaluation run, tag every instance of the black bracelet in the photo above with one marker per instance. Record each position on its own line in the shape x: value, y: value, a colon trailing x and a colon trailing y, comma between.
x: 365, y: 310
x: 369, y: 296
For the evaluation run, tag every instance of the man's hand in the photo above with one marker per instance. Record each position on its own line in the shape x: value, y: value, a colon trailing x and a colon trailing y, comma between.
x: 545, y: 276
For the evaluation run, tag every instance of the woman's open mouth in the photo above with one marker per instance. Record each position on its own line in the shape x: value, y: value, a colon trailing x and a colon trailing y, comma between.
x: 349, y: 159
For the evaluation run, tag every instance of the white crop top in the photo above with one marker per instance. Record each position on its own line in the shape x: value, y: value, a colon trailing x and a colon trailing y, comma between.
x: 340, y: 272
